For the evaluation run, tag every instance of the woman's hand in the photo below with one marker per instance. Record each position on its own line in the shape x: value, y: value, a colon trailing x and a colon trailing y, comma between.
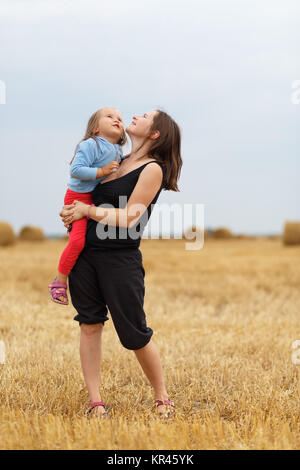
x: 74, y: 211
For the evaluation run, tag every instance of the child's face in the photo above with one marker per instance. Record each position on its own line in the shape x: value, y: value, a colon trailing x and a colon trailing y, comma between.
x: 141, y: 125
x: 110, y: 125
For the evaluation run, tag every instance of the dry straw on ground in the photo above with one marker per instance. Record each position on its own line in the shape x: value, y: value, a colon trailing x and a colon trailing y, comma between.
x: 222, y: 233
x: 31, y: 233
x: 7, y: 236
x: 224, y: 319
x: 291, y: 234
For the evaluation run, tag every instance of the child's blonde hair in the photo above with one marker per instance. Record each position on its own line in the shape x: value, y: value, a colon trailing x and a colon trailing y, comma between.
x: 90, y: 131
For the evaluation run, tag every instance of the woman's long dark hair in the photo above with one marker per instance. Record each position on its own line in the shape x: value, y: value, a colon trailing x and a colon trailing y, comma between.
x: 166, y: 148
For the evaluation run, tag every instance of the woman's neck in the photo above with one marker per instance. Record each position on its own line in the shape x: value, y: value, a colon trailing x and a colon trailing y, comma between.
x: 138, y: 150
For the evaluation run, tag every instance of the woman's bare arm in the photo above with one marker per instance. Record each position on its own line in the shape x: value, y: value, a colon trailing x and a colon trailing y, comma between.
x: 145, y: 190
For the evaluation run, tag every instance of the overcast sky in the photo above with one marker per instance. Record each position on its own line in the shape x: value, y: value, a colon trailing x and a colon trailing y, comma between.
x: 223, y: 69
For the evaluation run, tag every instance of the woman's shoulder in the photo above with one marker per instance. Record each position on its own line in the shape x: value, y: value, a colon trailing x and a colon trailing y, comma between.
x: 153, y: 169
x: 153, y: 166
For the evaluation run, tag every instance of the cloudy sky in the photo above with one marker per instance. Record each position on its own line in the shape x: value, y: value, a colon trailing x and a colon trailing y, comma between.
x: 223, y: 69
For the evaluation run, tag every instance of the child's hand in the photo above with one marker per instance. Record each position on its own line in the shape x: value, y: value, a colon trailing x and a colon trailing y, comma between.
x: 110, y: 168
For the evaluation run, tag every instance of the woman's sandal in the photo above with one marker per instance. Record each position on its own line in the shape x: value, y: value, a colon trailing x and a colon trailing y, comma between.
x: 169, y: 408
x: 55, y: 290
x: 95, y: 415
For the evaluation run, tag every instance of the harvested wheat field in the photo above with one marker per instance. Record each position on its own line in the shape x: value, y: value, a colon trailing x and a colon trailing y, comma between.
x: 224, y: 320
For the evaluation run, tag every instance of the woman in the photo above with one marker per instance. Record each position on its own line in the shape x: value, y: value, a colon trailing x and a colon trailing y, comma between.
x: 109, y: 271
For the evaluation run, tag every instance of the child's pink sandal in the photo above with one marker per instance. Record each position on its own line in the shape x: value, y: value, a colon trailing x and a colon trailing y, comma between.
x: 55, y: 290
x: 169, y: 406
x: 93, y: 405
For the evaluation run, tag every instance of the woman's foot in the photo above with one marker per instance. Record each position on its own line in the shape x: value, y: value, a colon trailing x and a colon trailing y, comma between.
x: 97, y: 410
x: 166, y: 408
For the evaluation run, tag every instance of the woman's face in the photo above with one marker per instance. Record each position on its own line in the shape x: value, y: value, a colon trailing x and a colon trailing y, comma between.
x: 141, y: 125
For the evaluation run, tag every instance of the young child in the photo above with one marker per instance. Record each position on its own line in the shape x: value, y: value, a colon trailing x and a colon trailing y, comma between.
x: 96, y: 156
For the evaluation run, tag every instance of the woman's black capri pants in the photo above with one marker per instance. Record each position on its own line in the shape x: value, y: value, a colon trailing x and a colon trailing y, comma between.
x: 113, y: 278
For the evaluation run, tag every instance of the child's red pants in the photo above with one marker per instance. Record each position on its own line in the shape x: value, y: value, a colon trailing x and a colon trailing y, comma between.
x: 76, y: 235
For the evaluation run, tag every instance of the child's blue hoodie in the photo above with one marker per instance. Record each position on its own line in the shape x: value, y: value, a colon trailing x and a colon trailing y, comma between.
x: 91, y: 154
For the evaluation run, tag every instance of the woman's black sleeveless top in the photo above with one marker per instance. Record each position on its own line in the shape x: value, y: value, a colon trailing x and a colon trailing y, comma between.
x: 116, y: 193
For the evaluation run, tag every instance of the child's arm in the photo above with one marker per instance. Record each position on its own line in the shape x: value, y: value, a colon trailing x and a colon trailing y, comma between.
x: 83, y: 160
x: 81, y: 167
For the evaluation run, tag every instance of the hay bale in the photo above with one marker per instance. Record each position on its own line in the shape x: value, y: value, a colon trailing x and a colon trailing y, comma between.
x: 291, y: 234
x: 7, y: 236
x: 222, y: 233
x: 31, y: 233
x: 241, y: 236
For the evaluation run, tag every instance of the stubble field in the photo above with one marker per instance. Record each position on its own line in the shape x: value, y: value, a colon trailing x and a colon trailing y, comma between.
x: 224, y: 320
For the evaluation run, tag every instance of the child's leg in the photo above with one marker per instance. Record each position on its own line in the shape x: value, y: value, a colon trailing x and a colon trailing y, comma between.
x: 73, y: 249
x: 70, y: 254
x: 76, y: 239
